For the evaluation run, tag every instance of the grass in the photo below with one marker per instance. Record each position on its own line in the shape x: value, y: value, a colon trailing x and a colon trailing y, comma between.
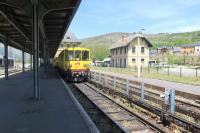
x: 153, y: 75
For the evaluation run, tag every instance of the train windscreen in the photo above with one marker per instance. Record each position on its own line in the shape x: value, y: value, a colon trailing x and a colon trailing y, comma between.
x: 85, y: 55
x: 73, y: 55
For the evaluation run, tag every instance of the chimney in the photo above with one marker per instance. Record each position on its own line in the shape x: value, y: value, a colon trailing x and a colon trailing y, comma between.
x: 123, y: 38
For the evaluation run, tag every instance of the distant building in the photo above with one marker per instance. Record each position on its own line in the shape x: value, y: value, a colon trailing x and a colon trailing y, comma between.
x: 197, y: 49
x: 191, y: 49
x: 152, y: 53
x: 106, y: 62
x: 164, y: 50
x: 128, y: 51
x: 177, y: 50
x: 69, y: 40
x: 98, y: 63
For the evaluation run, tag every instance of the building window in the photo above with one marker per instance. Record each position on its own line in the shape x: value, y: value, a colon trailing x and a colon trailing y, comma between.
x: 142, y: 60
x: 133, y: 50
x: 124, y: 50
x: 133, y: 60
x: 142, y: 50
x: 120, y: 63
x: 124, y: 62
x: 120, y: 50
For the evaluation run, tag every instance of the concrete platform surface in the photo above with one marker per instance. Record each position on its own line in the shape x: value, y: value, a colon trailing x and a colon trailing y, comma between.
x: 54, y: 113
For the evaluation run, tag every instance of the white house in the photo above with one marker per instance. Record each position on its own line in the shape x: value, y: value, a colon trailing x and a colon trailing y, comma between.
x: 197, y: 49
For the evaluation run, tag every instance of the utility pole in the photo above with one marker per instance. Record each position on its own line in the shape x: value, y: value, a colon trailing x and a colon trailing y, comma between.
x: 138, y: 57
x: 138, y: 54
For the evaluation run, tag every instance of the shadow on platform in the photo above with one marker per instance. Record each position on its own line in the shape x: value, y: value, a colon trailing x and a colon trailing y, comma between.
x: 54, y: 113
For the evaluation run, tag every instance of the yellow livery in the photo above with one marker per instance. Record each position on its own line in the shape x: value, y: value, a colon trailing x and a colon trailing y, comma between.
x: 74, y: 63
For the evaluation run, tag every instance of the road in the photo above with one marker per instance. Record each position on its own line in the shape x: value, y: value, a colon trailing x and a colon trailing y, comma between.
x: 194, y: 89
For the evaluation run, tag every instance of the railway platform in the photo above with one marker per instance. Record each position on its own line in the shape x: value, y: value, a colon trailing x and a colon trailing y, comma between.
x: 55, y: 112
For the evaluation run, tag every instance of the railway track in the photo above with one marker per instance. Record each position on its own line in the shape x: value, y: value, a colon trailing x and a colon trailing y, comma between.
x: 127, y: 121
x: 186, y: 106
x: 184, y: 125
x: 11, y: 72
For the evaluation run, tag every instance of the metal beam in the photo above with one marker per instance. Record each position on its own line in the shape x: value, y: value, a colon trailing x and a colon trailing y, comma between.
x: 35, y: 33
x: 13, y: 24
x: 6, y: 58
x: 44, y: 55
x: 31, y: 61
x: 23, y: 60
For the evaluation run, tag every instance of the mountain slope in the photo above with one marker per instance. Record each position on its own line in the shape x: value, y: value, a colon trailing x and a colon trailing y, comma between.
x: 99, y: 44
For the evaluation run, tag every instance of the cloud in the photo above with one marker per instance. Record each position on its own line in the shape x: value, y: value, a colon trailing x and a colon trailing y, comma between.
x: 96, y: 17
x: 175, y: 25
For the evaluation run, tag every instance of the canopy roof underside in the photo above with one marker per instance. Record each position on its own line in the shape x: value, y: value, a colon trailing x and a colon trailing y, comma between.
x: 54, y: 18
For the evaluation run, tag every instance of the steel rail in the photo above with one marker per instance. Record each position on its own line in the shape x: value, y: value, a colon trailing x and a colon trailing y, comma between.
x: 139, y: 118
x: 159, y: 112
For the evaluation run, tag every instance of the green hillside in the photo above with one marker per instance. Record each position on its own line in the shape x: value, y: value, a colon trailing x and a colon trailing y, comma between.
x: 99, y: 44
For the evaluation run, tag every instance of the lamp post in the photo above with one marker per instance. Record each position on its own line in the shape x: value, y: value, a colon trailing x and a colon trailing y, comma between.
x: 138, y: 54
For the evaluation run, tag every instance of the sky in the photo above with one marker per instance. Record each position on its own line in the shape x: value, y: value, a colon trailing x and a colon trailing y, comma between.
x: 96, y: 17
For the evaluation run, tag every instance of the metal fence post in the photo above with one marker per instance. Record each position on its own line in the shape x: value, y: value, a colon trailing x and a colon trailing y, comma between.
x: 157, y: 69
x: 94, y: 76
x: 172, y: 101
x: 142, y: 92
x: 106, y: 80
x: 127, y: 87
x: 168, y: 70
x: 114, y: 82
x: 100, y: 77
x: 196, y: 72
x: 180, y: 71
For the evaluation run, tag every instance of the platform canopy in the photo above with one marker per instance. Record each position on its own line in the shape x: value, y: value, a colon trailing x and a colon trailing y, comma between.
x: 54, y: 17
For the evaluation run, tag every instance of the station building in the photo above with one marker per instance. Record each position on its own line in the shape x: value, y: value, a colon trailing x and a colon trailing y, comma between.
x: 130, y: 51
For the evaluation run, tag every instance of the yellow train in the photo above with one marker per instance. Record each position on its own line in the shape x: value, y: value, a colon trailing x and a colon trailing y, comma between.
x: 74, y: 63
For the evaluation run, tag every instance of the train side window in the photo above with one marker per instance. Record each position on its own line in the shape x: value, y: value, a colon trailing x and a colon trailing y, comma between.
x: 85, y: 55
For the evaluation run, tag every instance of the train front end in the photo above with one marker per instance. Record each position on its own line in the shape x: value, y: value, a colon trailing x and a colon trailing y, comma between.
x: 77, y: 64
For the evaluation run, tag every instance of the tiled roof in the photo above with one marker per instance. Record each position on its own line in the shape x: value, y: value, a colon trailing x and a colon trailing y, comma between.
x: 191, y: 45
x: 176, y: 49
x: 164, y: 47
x: 126, y: 41
x: 70, y: 37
